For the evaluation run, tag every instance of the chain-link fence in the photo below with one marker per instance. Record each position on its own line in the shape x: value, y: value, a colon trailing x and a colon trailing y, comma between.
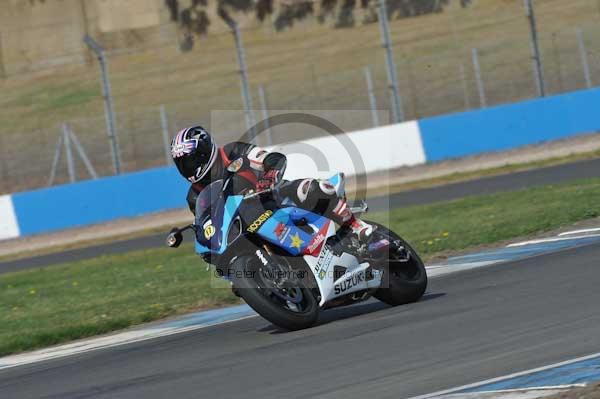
x: 454, y: 61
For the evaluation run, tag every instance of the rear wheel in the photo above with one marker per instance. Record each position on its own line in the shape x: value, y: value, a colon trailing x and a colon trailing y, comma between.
x: 404, y: 281
x: 281, y: 296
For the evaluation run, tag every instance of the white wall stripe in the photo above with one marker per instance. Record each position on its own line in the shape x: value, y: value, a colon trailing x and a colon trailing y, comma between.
x: 9, y: 227
x: 382, y: 148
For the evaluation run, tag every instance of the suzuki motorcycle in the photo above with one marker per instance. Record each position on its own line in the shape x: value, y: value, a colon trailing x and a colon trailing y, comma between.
x: 288, y: 263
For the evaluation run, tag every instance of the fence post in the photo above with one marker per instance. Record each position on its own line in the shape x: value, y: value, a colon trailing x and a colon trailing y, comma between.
x: 479, y: 79
x: 4, y: 183
x: 164, y: 124
x: 108, y: 102
x: 372, y: 98
x: 82, y: 154
x: 315, y: 86
x: 2, y: 68
x: 465, y: 87
x: 584, y: 58
x: 69, y: 153
x: 558, y: 64
x: 56, y: 159
x: 535, y: 49
x: 246, y: 97
x: 389, y: 58
x: 265, y: 111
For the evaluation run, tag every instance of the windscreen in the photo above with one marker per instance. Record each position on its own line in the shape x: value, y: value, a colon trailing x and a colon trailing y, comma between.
x: 206, y: 199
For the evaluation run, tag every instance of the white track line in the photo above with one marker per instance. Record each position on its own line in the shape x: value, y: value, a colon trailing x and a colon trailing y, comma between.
x: 506, y: 377
x: 544, y: 240
x: 156, y: 331
x: 110, y: 341
x: 568, y: 233
x: 521, y: 393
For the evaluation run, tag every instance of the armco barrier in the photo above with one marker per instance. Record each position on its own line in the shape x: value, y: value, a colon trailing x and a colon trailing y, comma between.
x: 429, y: 140
x: 509, y: 126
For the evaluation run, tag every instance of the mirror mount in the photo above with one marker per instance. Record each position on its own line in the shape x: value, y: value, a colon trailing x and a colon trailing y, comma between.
x: 175, y: 237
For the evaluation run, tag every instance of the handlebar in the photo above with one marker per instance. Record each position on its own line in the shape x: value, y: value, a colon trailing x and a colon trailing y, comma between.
x: 258, y: 193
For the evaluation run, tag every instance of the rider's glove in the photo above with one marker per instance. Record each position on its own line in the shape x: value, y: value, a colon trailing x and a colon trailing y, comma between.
x: 268, y: 180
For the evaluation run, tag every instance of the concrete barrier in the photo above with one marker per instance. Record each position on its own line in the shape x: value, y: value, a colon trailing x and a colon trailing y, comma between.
x: 95, y: 201
x: 509, y: 126
x: 428, y: 140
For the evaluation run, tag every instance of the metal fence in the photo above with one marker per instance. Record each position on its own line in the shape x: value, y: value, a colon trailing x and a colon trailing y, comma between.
x: 157, y: 91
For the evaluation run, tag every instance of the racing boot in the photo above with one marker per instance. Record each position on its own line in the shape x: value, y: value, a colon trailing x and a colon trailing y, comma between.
x: 344, y: 216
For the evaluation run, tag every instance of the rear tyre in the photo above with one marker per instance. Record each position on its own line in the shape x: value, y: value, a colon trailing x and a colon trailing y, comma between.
x: 404, y: 282
x: 292, y: 307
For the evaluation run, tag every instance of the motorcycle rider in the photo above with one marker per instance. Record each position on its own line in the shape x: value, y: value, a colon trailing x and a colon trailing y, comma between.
x: 201, y: 161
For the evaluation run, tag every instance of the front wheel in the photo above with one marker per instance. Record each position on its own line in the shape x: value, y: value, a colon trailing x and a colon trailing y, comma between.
x: 403, y: 281
x: 281, y: 296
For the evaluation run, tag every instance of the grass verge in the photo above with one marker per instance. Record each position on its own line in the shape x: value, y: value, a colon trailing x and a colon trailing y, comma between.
x: 438, y: 181
x: 49, y: 306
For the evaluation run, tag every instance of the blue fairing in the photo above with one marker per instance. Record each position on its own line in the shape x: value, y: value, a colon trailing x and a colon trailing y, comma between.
x: 290, y: 237
x: 281, y: 229
x: 218, y: 243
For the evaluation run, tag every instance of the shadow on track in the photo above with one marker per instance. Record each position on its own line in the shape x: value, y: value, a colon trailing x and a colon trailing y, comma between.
x: 337, y: 314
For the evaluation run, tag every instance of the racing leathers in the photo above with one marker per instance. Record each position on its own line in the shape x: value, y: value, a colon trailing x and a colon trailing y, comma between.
x: 262, y: 170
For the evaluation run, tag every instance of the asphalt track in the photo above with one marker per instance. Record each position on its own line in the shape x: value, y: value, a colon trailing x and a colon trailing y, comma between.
x: 510, y: 182
x: 471, y: 326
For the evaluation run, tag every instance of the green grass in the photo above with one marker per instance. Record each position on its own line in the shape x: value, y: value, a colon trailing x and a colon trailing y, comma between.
x: 61, y: 303
x: 461, y: 224
x: 48, y: 306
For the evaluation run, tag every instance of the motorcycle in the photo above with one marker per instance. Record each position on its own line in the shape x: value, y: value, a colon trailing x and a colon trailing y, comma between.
x: 288, y: 263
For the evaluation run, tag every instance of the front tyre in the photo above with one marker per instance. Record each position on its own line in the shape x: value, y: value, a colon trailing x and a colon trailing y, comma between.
x: 403, y: 282
x: 290, y: 305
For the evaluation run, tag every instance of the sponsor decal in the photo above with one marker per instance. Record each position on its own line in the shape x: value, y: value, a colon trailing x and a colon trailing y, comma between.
x: 315, y: 245
x: 349, y: 283
x: 262, y: 258
x: 259, y: 222
x: 296, y: 241
x: 282, y: 232
x: 209, y: 230
x: 323, y: 262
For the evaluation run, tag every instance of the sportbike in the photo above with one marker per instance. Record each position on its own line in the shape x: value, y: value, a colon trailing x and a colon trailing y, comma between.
x: 288, y: 263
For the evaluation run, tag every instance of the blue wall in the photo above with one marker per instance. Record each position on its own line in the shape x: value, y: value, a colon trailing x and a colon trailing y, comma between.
x: 449, y: 136
x: 102, y: 200
x: 509, y: 126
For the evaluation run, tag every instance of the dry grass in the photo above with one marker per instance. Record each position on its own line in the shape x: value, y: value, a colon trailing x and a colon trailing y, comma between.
x: 310, y: 67
x: 316, y: 66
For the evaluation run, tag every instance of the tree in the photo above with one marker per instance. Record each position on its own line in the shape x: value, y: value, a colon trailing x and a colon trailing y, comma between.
x: 194, y: 19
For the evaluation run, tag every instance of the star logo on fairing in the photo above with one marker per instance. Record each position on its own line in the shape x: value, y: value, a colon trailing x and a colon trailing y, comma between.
x: 296, y: 241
